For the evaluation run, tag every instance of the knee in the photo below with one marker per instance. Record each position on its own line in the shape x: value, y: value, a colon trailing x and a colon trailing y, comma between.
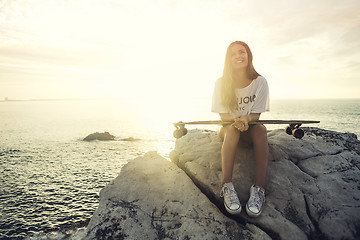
x: 221, y: 133
x: 259, y: 131
x: 229, y: 132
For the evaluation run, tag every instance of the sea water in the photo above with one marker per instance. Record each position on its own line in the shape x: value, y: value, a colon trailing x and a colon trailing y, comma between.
x: 50, y: 179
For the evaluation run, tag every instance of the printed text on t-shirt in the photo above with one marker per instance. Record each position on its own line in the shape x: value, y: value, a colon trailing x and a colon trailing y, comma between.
x: 245, y: 100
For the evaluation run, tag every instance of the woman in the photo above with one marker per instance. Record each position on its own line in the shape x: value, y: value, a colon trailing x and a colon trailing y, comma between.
x: 241, y: 95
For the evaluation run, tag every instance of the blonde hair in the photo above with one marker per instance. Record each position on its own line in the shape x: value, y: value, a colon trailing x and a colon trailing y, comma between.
x: 228, y: 96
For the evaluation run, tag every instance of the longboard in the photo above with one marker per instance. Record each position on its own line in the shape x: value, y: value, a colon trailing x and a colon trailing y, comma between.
x: 293, y: 128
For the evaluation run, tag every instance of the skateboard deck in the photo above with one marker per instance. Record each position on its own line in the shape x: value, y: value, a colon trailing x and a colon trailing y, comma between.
x: 293, y: 127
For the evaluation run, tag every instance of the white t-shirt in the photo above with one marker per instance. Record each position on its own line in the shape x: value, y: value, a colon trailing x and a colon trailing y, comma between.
x: 251, y: 99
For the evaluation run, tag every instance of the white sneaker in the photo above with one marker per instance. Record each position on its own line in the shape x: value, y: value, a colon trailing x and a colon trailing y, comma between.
x: 255, y: 203
x: 231, y: 200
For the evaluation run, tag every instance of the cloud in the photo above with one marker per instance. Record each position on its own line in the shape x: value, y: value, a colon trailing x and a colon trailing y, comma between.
x: 286, y: 22
x: 349, y: 41
x: 154, y: 39
x: 59, y: 56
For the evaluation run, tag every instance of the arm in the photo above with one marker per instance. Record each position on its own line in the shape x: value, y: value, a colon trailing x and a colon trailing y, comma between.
x: 240, y: 122
x: 226, y: 117
x: 252, y: 117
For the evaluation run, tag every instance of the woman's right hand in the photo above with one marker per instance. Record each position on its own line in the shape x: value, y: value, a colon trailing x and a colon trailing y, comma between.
x: 241, y: 123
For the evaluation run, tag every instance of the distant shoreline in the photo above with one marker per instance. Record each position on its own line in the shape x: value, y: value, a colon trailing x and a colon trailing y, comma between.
x: 60, y: 99
x: 134, y: 98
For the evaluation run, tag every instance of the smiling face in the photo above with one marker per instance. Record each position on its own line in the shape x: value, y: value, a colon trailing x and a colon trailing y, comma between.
x: 239, y: 56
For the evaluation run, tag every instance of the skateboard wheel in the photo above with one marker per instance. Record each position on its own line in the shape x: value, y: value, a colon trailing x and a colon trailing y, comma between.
x: 288, y: 130
x: 178, y: 133
x: 184, y: 131
x: 298, y: 133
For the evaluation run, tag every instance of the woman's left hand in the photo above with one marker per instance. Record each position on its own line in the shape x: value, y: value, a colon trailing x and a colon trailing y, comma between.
x: 241, y: 123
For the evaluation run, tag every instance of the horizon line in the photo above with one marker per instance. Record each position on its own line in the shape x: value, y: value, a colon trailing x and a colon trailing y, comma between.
x: 132, y: 98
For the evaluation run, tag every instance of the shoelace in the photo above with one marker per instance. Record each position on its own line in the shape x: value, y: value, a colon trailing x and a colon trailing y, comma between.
x: 231, y: 194
x: 258, y: 198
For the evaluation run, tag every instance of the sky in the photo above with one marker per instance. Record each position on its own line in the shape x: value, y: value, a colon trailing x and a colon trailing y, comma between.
x: 157, y: 49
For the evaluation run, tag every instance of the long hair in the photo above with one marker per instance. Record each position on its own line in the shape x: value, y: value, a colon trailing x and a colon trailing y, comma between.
x: 228, y: 96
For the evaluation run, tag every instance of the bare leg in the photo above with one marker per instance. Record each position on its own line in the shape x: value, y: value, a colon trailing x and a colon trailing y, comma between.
x: 258, y: 135
x: 231, y: 138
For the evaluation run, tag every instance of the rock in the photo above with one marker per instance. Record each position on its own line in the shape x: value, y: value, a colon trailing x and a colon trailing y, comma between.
x: 105, y: 136
x: 154, y: 199
x: 130, y: 139
x: 312, y: 190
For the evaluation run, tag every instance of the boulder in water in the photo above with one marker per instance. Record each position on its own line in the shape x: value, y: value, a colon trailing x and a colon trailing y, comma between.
x: 105, y: 136
x: 130, y: 139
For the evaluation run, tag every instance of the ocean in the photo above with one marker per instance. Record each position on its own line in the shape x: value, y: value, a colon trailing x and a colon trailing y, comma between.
x: 51, y: 179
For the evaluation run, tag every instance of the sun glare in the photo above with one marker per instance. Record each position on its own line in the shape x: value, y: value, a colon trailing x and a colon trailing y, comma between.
x: 147, y: 50
x: 104, y: 57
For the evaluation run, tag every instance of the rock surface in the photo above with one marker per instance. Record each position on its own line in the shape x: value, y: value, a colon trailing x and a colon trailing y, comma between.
x: 105, y: 136
x: 313, y: 184
x: 154, y: 199
x: 312, y: 191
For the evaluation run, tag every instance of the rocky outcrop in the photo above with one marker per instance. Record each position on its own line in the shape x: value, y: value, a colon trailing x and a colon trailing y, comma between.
x: 313, y: 184
x: 312, y: 191
x: 154, y: 199
x: 105, y: 136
